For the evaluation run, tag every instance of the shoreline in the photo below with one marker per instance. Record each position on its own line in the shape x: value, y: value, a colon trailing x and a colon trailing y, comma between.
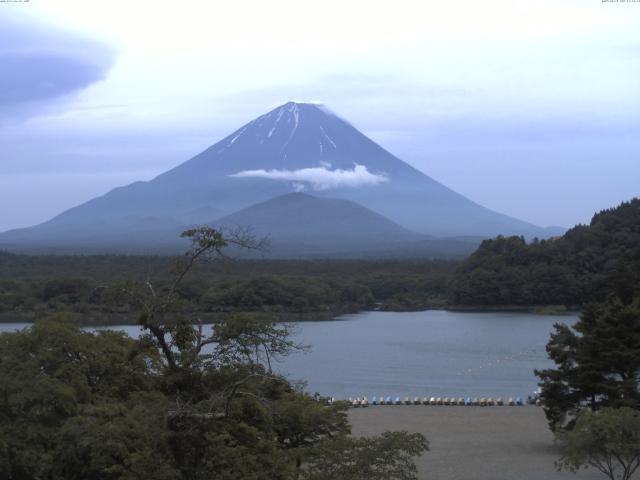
x: 96, y: 320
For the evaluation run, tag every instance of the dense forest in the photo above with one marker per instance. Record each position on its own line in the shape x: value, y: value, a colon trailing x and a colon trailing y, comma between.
x: 86, y: 287
x: 584, y: 265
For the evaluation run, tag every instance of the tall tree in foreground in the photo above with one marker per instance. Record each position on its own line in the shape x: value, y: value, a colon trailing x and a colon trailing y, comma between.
x: 389, y: 455
x: 183, y: 402
x: 597, y: 362
x: 607, y: 440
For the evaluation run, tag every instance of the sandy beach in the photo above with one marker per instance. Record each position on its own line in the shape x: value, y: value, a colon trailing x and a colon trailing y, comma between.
x: 474, y: 443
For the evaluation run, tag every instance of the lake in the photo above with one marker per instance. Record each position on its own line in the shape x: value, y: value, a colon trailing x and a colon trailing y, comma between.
x: 430, y: 353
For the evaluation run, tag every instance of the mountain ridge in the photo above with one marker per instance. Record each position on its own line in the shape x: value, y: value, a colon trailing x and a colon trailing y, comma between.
x: 297, y: 146
x: 299, y: 225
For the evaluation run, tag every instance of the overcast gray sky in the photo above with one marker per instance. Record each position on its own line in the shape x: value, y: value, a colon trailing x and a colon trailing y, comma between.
x: 529, y: 108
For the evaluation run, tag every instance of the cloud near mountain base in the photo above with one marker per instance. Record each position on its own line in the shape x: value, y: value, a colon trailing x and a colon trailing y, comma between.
x: 320, y: 178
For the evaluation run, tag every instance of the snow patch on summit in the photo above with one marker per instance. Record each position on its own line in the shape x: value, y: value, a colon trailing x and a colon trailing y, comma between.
x: 293, y: 108
x: 307, y: 102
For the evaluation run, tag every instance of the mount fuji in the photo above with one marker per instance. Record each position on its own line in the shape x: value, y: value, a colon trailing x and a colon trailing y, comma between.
x: 297, y: 147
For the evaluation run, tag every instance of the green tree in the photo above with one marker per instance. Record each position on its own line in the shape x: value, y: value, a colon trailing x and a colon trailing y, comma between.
x: 597, y: 362
x: 389, y: 455
x: 54, y: 377
x: 183, y: 402
x: 608, y: 440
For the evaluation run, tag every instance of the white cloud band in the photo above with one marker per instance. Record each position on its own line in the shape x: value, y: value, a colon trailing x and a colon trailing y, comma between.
x: 320, y: 178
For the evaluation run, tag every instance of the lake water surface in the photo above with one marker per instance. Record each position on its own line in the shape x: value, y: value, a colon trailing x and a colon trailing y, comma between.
x: 430, y: 353
x: 437, y: 353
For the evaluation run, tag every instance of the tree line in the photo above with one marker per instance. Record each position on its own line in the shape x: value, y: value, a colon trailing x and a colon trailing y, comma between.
x: 36, y: 286
x: 586, y: 264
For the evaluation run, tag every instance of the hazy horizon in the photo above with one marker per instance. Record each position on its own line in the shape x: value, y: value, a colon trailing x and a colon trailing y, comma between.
x: 530, y: 110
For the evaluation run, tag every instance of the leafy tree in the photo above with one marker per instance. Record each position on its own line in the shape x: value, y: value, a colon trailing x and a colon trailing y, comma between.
x: 598, y: 362
x: 376, y: 458
x: 301, y: 423
x: 608, y: 440
x: 54, y: 376
x: 183, y: 402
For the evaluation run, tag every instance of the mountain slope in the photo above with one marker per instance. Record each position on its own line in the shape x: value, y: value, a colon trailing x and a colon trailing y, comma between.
x: 297, y: 146
x: 300, y: 225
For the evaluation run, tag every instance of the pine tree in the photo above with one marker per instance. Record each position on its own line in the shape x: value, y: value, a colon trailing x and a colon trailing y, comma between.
x: 597, y: 362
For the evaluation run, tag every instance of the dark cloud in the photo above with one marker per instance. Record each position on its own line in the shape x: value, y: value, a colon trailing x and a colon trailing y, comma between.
x: 41, y: 63
x: 41, y: 75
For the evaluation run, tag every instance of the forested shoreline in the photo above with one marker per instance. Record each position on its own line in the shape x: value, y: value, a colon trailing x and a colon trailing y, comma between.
x: 88, y: 288
x: 586, y: 264
x: 506, y: 273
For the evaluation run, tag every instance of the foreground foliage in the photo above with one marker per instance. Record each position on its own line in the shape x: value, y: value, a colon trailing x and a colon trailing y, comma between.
x: 388, y: 456
x: 607, y: 440
x: 597, y: 362
x: 181, y: 402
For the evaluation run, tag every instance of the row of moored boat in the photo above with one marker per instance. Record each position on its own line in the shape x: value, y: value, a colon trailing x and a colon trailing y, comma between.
x: 468, y: 401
